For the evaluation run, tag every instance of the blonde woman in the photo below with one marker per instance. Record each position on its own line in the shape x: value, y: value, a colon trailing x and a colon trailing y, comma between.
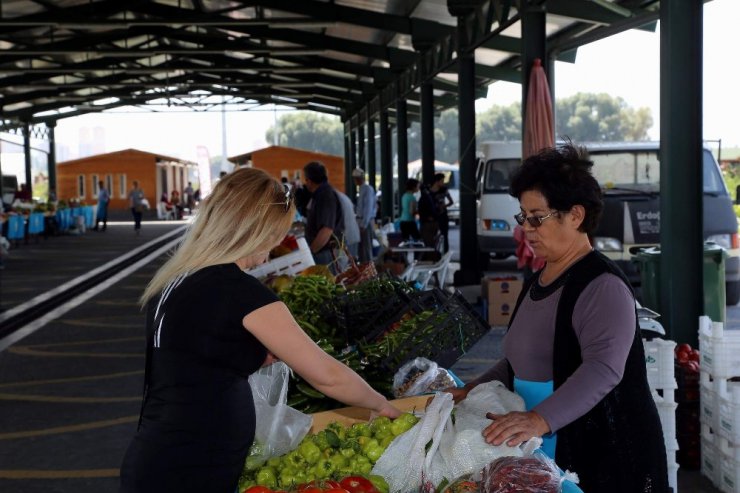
x: 209, y: 326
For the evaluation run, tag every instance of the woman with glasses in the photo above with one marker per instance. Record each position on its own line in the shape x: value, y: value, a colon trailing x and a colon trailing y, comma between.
x: 209, y: 326
x: 573, y: 349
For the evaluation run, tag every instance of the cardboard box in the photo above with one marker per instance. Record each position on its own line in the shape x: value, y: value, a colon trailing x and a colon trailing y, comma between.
x: 350, y: 415
x: 501, y: 295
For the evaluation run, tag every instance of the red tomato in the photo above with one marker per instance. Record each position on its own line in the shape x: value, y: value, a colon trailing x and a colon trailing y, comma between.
x: 336, y: 490
x: 258, y: 489
x: 321, y: 485
x: 692, y: 366
x: 684, y: 347
x: 358, y: 484
x: 682, y: 356
x: 310, y: 489
x: 694, y: 355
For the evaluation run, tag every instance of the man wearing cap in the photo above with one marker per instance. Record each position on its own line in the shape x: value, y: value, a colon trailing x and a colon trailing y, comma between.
x: 365, y: 214
x: 324, y: 220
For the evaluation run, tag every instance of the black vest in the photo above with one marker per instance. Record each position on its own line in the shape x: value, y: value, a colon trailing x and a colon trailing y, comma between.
x: 618, y: 445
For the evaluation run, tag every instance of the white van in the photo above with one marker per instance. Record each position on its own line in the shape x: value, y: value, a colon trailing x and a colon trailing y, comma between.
x: 452, y: 180
x: 495, y: 207
x: 629, y: 174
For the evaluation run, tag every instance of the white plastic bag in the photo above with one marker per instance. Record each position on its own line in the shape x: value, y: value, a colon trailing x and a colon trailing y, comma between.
x: 403, y: 461
x: 280, y: 428
x: 414, y: 377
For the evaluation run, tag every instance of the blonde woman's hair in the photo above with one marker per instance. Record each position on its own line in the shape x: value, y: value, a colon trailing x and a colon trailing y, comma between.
x: 244, y: 215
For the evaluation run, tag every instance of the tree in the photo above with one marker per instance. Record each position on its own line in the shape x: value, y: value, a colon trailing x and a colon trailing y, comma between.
x: 311, y: 131
x: 500, y: 123
x: 586, y: 117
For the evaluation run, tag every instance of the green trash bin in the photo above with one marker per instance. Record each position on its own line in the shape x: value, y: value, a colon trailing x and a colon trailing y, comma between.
x: 648, y: 261
x: 715, y: 303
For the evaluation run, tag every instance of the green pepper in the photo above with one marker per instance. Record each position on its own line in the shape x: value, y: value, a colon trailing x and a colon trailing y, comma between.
x: 379, y: 482
x: 266, y: 476
x: 370, y: 444
x: 386, y: 441
x: 310, y: 451
x: 381, y: 423
x: 324, y: 469
x: 374, y: 452
x: 274, y: 462
x: 366, y: 468
x: 338, y: 460
x: 360, y: 429
x: 287, y: 477
x: 320, y: 440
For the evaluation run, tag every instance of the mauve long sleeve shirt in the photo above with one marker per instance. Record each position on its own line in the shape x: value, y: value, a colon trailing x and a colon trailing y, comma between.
x: 604, y: 323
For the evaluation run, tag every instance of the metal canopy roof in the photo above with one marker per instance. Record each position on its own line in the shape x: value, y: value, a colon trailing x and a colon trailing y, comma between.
x: 64, y: 58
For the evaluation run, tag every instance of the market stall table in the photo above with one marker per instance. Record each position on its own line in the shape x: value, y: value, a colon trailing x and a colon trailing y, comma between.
x: 411, y: 251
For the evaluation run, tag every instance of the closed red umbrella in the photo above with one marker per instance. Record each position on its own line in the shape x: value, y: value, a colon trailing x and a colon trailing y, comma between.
x: 538, y: 120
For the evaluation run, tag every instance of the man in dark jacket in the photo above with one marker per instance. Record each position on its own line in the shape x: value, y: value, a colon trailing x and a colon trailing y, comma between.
x: 325, y: 222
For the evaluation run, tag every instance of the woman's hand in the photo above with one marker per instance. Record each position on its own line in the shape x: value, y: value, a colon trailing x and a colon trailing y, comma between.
x: 270, y: 359
x: 387, y: 410
x: 514, y: 428
x: 458, y: 394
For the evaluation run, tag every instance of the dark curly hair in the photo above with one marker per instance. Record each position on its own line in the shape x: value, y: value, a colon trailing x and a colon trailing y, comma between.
x: 563, y: 175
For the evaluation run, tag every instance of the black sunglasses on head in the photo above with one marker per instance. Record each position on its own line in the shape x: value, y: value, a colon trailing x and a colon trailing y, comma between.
x: 286, y: 203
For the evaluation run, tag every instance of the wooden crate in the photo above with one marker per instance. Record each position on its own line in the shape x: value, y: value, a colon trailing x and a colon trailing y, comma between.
x: 350, y: 415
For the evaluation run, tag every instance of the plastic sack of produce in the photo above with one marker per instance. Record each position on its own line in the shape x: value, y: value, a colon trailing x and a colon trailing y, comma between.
x: 414, y: 377
x: 535, y: 473
x: 462, y: 448
x: 280, y: 428
x: 402, y: 462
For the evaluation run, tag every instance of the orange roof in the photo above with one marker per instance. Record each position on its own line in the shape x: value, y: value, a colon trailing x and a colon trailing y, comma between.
x: 158, y: 156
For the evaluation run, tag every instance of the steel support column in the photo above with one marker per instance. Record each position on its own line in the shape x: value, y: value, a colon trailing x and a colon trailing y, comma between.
x: 371, y: 153
x: 27, y: 155
x: 347, y: 161
x: 403, y: 143
x: 534, y: 45
x: 386, y: 167
x: 52, y: 157
x: 350, y: 187
x: 361, y: 147
x: 681, y: 231
x: 469, y: 272
x: 427, y: 132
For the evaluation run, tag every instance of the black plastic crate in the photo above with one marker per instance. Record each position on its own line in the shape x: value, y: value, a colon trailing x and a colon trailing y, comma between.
x: 359, y: 310
x: 449, y: 326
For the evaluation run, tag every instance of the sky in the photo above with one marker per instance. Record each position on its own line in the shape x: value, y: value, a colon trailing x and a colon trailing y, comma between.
x: 625, y: 65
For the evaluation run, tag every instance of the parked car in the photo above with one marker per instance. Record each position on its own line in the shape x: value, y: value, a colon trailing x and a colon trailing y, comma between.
x: 629, y: 173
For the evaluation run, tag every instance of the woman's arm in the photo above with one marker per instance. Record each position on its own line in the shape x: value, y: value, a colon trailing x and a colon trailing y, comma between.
x: 274, y: 326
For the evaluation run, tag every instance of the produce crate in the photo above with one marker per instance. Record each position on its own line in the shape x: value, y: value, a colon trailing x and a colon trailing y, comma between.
x: 451, y: 329
x: 729, y: 413
x: 659, y: 363
x: 358, y: 311
x: 349, y: 415
x: 290, y: 264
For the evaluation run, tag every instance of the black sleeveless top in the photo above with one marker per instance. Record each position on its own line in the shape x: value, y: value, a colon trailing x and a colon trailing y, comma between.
x: 197, y: 420
x: 616, y: 447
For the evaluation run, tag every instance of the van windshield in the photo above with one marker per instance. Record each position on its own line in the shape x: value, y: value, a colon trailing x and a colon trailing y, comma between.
x: 640, y: 171
x: 627, y: 169
x: 498, y: 174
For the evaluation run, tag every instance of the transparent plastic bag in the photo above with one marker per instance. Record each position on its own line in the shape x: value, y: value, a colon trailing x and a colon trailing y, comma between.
x: 535, y: 473
x: 403, y: 461
x: 280, y: 428
x: 462, y: 449
x: 414, y: 377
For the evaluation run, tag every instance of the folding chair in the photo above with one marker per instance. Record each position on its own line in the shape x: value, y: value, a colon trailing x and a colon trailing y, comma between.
x: 422, y: 273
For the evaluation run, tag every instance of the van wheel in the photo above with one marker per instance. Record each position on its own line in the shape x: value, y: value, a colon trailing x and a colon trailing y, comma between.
x: 732, y: 293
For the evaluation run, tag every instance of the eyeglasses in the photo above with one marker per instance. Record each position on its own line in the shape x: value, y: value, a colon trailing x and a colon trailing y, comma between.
x: 286, y: 203
x: 534, y: 221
